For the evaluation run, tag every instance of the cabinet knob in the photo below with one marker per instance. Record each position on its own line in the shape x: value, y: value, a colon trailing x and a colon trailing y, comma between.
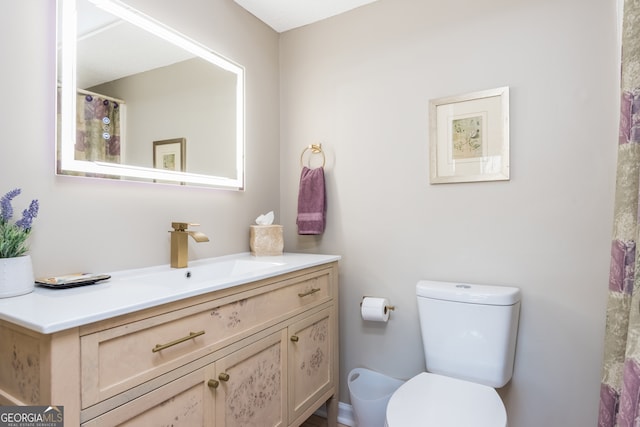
x: 223, y: 376
x: 213, y: 384
x: 294, y: 338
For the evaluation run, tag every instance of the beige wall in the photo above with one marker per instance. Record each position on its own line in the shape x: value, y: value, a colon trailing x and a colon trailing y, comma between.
x: 100, y: 226
x: 360, y: 83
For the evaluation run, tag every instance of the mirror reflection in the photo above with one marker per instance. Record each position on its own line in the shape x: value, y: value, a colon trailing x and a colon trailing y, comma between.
x: 139, y: 101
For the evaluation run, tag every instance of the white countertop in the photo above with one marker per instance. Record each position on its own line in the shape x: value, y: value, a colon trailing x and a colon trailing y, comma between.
x: 53, y: 310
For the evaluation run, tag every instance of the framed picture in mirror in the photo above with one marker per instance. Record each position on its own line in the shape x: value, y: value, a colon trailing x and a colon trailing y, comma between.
x: 469, y: 137
x: 170, y: 154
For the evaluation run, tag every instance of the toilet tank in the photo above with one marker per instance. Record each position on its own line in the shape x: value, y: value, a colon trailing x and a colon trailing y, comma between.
x: 469, y: 331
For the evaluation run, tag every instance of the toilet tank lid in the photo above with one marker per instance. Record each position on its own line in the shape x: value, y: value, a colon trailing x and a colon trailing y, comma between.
x: 467, y: 292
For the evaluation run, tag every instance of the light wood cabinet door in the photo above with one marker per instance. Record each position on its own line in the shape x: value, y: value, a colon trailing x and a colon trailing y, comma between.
x: 253, y: 380
x: 185, y: 402
x: 311, y: 360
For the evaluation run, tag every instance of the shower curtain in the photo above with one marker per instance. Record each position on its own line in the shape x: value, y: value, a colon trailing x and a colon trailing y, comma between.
x: 620, y: 386
x: 97, y: 129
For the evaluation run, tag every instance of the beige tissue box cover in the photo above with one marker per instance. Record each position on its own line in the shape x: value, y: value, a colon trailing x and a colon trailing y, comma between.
x: 266, y: 240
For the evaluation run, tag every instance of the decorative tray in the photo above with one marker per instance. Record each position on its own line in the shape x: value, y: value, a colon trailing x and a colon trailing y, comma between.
x: 71, y: 280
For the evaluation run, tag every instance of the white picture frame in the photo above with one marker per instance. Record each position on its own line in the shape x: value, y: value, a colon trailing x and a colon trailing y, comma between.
x: 469, y: 137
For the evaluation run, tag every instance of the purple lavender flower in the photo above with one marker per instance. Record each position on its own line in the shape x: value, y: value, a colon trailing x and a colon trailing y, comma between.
x: 6, y: 210
x: 13, y: 237
x: 28, y: 215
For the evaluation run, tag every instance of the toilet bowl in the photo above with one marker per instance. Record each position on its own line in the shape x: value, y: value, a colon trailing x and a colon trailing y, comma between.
x: 439, y: 401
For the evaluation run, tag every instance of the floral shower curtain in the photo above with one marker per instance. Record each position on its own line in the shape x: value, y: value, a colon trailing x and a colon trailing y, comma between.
x: 97, y: 129
x: 620, y: 387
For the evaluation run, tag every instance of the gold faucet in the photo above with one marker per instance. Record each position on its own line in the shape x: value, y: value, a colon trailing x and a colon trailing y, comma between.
x: 179, y: 243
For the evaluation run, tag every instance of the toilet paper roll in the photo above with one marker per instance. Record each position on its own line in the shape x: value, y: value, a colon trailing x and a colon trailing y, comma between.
x: 375, y: 309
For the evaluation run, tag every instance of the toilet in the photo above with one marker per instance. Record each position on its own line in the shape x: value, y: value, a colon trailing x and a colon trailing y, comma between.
x: 469, y: 339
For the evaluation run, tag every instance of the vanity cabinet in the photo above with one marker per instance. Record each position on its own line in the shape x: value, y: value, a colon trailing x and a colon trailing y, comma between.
x: 259, y: 354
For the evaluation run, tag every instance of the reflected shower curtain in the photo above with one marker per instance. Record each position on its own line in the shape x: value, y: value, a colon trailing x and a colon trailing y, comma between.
x: 620, y: 387
x: 97, y: 129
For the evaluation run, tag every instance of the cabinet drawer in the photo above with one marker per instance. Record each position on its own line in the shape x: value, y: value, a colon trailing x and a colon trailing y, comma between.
x: 121, y: 357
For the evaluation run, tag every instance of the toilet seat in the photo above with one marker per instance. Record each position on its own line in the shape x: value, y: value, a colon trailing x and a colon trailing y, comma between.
x: 435, y: 400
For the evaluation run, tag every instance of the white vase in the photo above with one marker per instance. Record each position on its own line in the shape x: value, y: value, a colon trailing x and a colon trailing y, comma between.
x: 16, y: 276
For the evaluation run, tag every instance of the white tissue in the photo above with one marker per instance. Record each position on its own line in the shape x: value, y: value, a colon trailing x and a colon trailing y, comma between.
x: 375, y: 309
x: 265, y: 219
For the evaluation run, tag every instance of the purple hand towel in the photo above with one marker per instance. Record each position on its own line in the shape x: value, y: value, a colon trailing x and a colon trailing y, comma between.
x: 312, y: 206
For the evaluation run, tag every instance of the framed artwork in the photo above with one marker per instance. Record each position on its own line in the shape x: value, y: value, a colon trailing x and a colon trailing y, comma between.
x: 469, y: 137
x: 170, y: 154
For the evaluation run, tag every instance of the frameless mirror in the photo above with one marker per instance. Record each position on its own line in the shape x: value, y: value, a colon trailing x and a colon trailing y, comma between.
x: 140, y: 101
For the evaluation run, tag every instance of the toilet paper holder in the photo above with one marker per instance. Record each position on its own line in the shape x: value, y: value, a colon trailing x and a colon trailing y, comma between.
x: 386, y: 308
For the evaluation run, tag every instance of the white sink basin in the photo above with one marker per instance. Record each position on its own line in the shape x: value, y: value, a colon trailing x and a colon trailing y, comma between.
x: 208, y: 272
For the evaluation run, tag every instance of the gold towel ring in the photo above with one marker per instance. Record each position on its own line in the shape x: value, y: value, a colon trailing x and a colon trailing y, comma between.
x: 315, y: 149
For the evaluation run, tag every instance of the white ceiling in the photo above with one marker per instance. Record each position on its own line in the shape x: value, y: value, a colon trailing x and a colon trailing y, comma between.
x: 283, y: 15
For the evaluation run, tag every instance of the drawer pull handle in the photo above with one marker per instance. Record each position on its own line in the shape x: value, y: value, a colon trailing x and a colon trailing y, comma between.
x: 294, y: 338
x: 213, y: 384
x: 191, y: 335
x: 223, y: 376
x: 311, y: 292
